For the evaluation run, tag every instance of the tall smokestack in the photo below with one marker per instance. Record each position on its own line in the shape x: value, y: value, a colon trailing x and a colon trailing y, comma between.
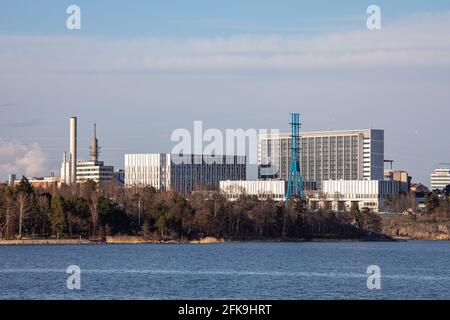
x: 73, y: 150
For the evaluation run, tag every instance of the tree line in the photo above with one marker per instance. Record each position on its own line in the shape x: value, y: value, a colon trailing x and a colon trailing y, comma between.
x: 94, y: 210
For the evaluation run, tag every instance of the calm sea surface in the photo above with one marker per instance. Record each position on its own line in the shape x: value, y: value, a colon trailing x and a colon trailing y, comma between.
x: 409, y: 270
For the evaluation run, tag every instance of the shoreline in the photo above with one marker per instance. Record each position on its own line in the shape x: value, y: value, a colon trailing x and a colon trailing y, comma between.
x: 49, y: 242
x: 201, y: 241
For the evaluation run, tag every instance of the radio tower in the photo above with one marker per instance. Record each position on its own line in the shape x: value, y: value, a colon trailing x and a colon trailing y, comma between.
x: 295, y: 183
x: 94, y: 149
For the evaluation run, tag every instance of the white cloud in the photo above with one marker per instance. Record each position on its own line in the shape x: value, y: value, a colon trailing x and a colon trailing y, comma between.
x: 419, y: 40
x: 22, y: 159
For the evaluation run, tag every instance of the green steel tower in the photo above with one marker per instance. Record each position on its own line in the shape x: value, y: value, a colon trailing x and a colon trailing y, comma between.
x: 295, y: 183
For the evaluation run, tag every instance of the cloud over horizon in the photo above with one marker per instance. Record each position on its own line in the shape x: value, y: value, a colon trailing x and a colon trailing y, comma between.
x: 22, y: 159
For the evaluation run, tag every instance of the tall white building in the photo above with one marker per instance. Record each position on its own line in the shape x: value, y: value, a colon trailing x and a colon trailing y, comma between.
x: 182, y: 174
x: 324, y: 155
x: 440, y: 178
x: 142, y: 170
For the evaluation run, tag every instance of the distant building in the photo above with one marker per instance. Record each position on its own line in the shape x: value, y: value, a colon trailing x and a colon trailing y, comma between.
x: 419, y: 191
x: 419, y: 187
x: 119, y: 176
x: 65, y: 170
x: 401, y: 176
x: 363, y: 194
x: 263, y: 189
x: 11, y: 179
x: 87, y: 170
x: 182, y: 174
x: 42, y: 183
x: 94, y: 170
x: 440, y: 178
x: 324, y: 155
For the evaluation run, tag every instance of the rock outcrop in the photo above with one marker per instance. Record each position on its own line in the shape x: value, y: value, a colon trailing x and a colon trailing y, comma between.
x: 419, y: 228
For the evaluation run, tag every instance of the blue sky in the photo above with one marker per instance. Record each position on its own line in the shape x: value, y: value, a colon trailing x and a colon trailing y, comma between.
x: 141, y: 18
x: 142, y: 69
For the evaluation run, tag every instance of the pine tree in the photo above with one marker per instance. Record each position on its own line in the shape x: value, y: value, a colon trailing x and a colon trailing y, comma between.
x: 57, y: 216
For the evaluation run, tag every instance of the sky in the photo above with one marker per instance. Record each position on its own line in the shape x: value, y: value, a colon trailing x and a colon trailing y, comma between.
x: 142, y: 69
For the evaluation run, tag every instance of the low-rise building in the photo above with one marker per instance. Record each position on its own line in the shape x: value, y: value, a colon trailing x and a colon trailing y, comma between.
x: 94, y: 170
x: 263, y: 189
x: 343, y: 195
x: 42, y: 183
x: 440, y: 178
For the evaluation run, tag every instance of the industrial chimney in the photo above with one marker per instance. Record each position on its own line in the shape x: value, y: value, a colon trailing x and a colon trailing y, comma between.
x: 73, y: 150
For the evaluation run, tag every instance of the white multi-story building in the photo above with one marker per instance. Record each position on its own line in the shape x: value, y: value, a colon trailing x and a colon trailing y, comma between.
x: 440, y: 178
x: 324, y: 155
x: 182, y: 174
x: 94, y: 170
x: 342, y: 195
x: 142, y: 170
x: 88, y: 170
x: 263, y: 189
x: 81, y: 171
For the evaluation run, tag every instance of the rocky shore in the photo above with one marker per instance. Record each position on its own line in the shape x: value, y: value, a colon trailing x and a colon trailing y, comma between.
x: 415, y: 228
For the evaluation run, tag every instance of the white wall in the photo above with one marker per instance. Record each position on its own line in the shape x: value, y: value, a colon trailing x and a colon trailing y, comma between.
x: 260, y: 188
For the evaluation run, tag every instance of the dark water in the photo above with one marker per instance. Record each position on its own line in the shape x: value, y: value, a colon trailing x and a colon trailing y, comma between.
x: 409, y: 270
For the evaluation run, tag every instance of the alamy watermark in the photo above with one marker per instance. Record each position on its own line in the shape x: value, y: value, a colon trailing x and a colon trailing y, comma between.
x: 74, y: 280
x: 373, y: 277
x: 216, y: 146
x: 374, y: 19
x: 73, y: 21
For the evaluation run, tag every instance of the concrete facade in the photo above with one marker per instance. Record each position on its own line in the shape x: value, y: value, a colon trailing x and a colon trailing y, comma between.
x: 364, y: 194
x: 182, y: 174
x: 324, y: 155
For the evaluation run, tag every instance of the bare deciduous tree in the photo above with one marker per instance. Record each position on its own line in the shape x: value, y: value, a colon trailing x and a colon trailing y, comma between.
x: 22, y: 205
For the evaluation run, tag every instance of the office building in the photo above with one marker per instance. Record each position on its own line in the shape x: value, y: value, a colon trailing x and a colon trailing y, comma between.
x: 324, y: 155
x: 363, y: 194
x: 182, y: 174
x: 94, y: 170
x: 440, y: 178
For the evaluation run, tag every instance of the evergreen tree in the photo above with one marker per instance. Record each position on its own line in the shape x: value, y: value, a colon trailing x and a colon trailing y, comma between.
x: 57, y: 216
